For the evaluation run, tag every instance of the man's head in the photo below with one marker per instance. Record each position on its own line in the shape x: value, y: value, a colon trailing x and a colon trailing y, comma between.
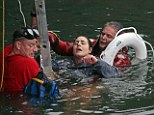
x: 108, y: 33
x: 25, y: 41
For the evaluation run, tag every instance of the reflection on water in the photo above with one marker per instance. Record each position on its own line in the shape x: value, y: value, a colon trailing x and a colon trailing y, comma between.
x: 131, y: 94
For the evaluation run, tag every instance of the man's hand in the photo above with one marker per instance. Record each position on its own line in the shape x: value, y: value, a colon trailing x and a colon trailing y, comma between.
x: 53, y: 38
x: 90, y: 59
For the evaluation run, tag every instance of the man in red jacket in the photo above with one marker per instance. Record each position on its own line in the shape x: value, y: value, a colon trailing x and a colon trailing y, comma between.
x: 106, y: 36
x: 19, y: 63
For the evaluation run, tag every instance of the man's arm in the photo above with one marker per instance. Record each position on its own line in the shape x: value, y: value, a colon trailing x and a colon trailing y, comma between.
x: 106, y: 70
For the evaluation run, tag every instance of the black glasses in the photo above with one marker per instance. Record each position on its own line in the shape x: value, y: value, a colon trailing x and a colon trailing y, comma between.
x: 30, y: 33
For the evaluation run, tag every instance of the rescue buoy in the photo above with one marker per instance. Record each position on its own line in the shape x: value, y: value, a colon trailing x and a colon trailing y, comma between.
x: 130, y: 39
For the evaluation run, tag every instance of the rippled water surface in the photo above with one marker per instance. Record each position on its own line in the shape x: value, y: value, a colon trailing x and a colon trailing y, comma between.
x: 132, y: 94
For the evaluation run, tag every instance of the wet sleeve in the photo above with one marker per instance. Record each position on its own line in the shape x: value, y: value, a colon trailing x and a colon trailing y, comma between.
x: 64, y: 48
x: 106, y: 70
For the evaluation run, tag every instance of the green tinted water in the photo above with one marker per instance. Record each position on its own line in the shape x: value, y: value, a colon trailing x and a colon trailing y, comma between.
x: 70, y: 18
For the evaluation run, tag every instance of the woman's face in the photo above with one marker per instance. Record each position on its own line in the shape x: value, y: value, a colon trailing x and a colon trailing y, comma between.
x: 106, y: 36
x: 81, y: 47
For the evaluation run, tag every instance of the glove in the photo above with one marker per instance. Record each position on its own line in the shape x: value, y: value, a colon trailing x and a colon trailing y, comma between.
x: 53, y: 38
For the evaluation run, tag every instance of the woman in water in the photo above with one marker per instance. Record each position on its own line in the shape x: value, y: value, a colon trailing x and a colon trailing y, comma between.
x: 85, y: 65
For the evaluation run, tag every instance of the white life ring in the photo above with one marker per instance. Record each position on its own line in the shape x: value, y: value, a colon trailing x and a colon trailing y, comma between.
x: 131, y: 39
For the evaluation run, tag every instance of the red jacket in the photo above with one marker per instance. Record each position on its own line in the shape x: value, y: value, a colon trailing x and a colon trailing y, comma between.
x: 66, y: 48
x: 18, y: 70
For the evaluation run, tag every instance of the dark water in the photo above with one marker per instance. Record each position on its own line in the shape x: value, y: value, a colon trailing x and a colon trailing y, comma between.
x: 133, y: 94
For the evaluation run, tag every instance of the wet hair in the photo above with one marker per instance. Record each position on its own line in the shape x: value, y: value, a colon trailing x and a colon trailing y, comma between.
x: 25, y: 33
x: 89, y: 42
x: 116, y: 25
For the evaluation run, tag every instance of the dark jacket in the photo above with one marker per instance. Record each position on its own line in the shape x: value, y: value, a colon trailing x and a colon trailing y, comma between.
x: 67, y: 67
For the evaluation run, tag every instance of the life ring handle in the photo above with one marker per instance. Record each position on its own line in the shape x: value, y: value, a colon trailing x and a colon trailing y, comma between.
x: 129, y: 28
x: 135, y: 31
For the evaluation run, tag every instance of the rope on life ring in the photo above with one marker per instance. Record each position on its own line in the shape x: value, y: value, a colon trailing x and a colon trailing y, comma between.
x: 130, y: 39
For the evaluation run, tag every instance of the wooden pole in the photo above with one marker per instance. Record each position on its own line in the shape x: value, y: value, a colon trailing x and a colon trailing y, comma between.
x: 44, y: 40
